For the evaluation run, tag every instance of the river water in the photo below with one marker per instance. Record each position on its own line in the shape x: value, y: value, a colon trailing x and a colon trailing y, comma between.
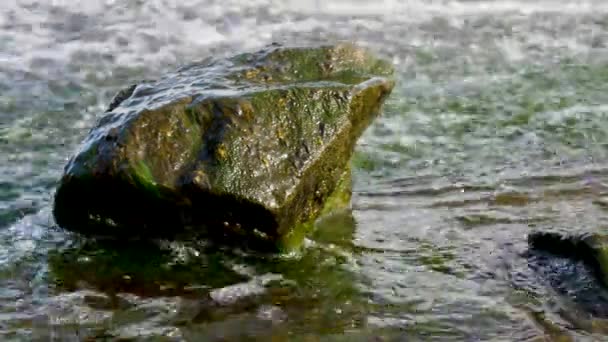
x: 497, y: 126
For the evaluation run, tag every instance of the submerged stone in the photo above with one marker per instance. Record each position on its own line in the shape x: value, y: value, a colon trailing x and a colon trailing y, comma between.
x: 592, y: 248
x: 254, y: 144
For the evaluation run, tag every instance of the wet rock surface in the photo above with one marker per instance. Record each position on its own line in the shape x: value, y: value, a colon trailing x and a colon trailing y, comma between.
x: 591, y: 248
x: 574, y: 266
x: 251, y: 145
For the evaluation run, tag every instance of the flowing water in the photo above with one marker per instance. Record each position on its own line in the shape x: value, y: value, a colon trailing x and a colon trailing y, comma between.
x: 498, y: 126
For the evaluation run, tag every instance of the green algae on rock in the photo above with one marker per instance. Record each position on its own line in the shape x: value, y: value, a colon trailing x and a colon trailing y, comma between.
x: 254, y: 144
x: 592, y: 248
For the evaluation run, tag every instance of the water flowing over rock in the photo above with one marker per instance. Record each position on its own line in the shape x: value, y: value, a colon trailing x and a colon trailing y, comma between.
x: 592, y: 248
x: 249, y: 146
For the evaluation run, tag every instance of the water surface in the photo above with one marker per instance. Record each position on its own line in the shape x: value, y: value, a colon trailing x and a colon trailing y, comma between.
x: 497, y: 126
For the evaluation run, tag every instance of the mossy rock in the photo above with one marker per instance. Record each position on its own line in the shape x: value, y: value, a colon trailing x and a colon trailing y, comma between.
x: 254, y: 144
x: 592, y: 248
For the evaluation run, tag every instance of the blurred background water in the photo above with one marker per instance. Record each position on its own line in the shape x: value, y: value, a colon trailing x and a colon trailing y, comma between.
x: 497, y: 126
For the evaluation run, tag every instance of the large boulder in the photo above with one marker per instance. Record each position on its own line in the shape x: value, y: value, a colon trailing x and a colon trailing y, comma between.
x: 254, y: 144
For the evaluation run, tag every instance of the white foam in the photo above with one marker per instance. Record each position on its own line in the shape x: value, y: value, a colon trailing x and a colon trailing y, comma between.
x: 418, y: 9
